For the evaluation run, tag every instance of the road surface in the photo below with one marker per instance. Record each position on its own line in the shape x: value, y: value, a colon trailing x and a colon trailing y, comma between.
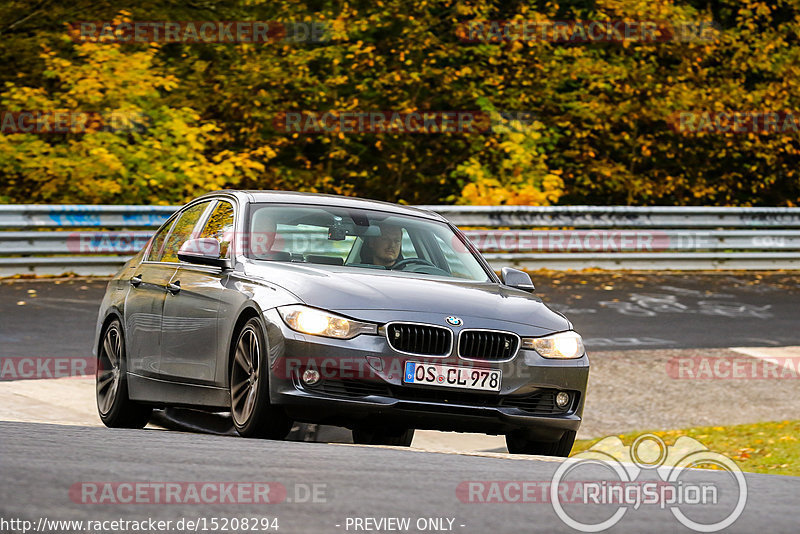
x: 611, y: 311
x: 39, y: 464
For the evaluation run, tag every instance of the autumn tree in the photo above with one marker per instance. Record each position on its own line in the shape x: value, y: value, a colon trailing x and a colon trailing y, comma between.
x: 597, y: 114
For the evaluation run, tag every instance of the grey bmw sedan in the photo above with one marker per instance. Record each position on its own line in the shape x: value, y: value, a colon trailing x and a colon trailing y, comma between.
x: 281, y: 307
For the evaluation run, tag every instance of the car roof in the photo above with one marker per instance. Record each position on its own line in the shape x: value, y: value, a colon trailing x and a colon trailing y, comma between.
x: 294, y: 197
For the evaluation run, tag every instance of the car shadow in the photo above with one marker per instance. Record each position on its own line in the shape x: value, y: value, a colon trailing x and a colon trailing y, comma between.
x: 220, y: 424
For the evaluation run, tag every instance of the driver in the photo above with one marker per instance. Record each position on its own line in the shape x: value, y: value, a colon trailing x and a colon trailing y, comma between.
x: 383, y: 249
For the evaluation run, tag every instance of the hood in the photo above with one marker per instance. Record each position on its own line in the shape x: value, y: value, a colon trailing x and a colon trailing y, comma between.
x: 347, y: 290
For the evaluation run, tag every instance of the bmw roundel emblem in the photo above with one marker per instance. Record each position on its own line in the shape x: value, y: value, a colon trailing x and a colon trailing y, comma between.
x: 455, y: 321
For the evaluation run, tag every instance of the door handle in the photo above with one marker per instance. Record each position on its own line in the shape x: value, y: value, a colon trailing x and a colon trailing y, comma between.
x: 174, y: 287
x: 136, y: 280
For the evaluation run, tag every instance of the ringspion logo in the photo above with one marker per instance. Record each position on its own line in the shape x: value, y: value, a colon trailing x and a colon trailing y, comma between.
x: 648, y: 453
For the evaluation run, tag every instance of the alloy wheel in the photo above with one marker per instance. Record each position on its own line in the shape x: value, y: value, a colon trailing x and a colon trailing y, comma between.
x: 109, y: 369
x: 245, y: 375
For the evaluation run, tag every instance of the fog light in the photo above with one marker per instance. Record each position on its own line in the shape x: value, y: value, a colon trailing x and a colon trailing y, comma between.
x: 310, y: 377
x: 562, y: 399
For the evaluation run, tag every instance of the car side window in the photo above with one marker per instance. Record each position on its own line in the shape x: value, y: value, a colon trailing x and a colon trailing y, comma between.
x: 220, y: 227
x: 181, y: 231
x: 158, y: 242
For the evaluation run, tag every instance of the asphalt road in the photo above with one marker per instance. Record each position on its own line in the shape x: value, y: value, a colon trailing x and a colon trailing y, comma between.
x: 689, y: 310
x: 611, y: 311
x: 39, y: 464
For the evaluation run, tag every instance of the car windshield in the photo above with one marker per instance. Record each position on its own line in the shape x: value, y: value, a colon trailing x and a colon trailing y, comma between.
x: 359, y: 239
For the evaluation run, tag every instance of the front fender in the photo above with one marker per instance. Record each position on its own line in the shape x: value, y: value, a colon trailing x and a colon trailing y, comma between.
x: 247, y: 296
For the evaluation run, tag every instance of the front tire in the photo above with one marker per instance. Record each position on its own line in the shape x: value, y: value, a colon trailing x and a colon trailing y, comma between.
x: 116, y: 409
x: 253, y: 415
x: 519, y: 443
x: 399, y: 437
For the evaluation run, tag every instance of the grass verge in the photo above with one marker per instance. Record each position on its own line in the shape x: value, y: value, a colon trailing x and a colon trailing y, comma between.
x: 772, y: 448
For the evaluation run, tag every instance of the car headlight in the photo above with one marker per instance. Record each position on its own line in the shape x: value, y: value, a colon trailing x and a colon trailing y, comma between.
x: 321, y: 323
x: 564, y: 345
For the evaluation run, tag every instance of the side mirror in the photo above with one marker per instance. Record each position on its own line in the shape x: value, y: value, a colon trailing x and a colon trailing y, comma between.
x: 517, y: 279
x: 203, y: 251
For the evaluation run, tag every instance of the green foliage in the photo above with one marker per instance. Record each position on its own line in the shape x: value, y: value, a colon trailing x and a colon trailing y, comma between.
x: 599, y: 135
x: 164, y: 158
x: 756, y: 448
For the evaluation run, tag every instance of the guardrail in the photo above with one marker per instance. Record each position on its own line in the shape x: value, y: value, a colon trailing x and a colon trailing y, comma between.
x: 25, y: 216
x: 96, y: 240
x: 619, y: 216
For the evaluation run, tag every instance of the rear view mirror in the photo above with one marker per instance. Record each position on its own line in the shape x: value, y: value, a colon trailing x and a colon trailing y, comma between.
x: 203, y: 251
x: 517, y: 279
x: 337, y: 231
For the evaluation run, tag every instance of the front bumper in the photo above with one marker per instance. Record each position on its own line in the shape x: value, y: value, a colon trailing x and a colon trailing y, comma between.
x: 362, y: 386
x: 384, y: 411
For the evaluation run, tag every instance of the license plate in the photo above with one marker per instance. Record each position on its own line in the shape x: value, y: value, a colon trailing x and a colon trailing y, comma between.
x: 434, y: 374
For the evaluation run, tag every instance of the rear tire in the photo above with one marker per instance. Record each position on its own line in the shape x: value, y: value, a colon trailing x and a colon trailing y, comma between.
x: 253, y: 415
x: 116, y: 409
x: 398, y: 437
x: 519, y: 443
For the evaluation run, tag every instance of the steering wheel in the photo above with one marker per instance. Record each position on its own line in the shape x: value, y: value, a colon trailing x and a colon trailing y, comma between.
x: 402, y: 264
